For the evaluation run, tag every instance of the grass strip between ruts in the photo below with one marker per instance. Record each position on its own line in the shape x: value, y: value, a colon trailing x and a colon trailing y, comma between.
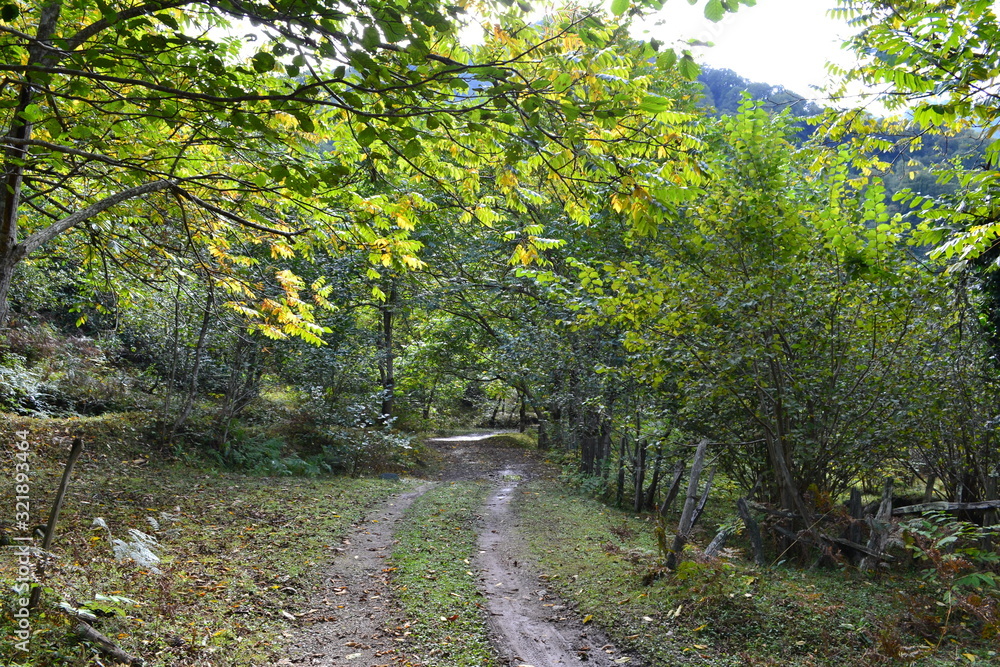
x: 435, y: 580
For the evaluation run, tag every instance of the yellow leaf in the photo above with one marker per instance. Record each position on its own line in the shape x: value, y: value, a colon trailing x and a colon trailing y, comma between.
x: 588, y: 618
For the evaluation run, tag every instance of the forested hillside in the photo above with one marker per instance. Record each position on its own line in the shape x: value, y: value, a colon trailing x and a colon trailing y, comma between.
x: 244, y: 241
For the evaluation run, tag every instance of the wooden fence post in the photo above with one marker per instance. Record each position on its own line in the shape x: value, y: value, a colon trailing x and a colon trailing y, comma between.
x: 675, y: 487
x: 880, y: 525
x: 753, y: 531
x: 688, y: 513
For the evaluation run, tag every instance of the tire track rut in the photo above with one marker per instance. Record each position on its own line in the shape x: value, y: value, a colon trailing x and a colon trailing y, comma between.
x: 354, y: 621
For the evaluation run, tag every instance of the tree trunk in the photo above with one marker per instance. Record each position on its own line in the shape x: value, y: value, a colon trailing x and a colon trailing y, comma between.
x: 700, y: 507
x: 543, y: 435
x: 880, y: 525
x: 622, y: 453
x: 429, y: 400
x: 675, y: 487
x: 7, y: 265
x: 39, y: 52
x: 199, y: 350
x: 753, y: 531
x: 640, y: 474
x: 173, y: 335
x: 602, y: 451
x: 493, y: 417
x: 990, y: 517
x: 929, y: 488
x: 243, y: 386
x: 855, y: 510
x: 386, y: 369
x: 654, y: 483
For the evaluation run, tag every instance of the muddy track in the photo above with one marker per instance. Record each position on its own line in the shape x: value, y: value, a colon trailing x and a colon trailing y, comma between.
x: 531, y: 625
x: 354, y: 621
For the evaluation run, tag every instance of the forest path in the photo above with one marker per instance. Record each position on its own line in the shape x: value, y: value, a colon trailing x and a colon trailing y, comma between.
x: 530, y: 625
x: 354, y: 618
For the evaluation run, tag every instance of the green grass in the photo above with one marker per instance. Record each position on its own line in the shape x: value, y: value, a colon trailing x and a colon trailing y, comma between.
x: 236, y: 552
x: 434, y: 579
x: 725, y: 612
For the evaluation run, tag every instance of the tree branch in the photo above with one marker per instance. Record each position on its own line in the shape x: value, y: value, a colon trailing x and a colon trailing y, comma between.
x: 237, y: 219
x: 43, y: 236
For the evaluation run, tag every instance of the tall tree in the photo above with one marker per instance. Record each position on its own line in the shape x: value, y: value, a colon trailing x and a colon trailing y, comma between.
x: 937, y: 62
x: 140, y: 112
x: 776, y: 307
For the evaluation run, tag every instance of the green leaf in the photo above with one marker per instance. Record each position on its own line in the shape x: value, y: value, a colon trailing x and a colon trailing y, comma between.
x: 305, y: 122
x: 9, y: 12
x: 263, y: 62
x: 279, y: 173
x: 618, y: 7
x: 351, y: 100
x: 715, y: 11
x: 168, y: 20
x: 81, y: 132
x: 413, y: 148
x: 689, y: 68
x: 667, y: 59
x: 31, y: 113
x: 654, y: 104
x: 370, y: 40
x: 367, y: 136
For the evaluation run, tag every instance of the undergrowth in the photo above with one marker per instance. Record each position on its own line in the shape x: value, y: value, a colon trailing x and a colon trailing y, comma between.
x: 232, y: 557
x: 727, y: 611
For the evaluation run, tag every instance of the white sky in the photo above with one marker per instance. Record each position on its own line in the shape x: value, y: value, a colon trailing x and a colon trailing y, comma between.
x: 780, y: 42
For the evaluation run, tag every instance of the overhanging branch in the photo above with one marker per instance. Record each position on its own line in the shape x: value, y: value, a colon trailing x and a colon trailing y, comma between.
x: 43, y: 236
x: 236, y: 218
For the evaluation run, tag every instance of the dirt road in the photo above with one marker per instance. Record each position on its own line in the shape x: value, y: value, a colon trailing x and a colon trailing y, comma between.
x: 357, y: 625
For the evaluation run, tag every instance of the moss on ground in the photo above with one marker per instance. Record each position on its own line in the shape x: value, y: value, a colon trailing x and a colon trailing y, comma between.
x: 517, y: 440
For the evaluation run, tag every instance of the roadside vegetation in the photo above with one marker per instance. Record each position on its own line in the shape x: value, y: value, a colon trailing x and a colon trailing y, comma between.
x: 726, y: 611
x: 180, y: 564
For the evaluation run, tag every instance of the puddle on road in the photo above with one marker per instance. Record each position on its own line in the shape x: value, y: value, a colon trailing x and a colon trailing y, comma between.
x: 471, y: 437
